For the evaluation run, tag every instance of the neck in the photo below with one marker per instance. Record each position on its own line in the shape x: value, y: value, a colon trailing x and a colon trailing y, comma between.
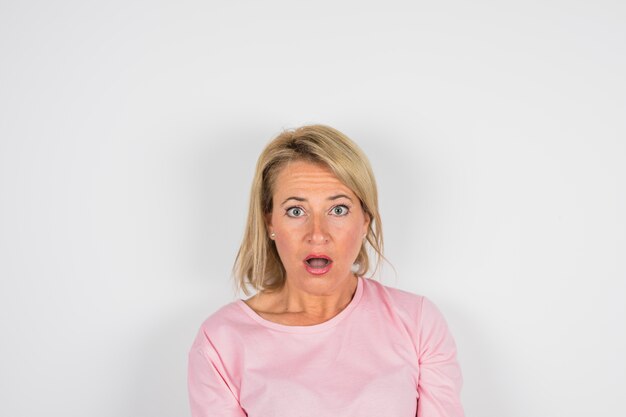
x: 314, y: 302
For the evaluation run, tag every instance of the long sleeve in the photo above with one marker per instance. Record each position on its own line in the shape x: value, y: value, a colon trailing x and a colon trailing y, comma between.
x: 387, y: 353
x: 440, y: 379
x: 210, y: 393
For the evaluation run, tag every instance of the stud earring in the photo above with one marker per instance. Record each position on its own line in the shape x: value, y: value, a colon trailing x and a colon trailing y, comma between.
x: 273, y: 235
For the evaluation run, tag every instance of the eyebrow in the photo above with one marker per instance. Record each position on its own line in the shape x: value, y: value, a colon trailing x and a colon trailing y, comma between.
x: 335, y: 197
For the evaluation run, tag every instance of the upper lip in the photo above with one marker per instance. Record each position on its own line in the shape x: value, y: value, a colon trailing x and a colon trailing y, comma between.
x: 317, y: 255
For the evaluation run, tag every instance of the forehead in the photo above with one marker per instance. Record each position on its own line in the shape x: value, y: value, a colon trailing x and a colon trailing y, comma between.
x: 303, y: 177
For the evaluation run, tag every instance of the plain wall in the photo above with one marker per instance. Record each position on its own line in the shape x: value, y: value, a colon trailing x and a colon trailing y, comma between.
x: 129, y: 131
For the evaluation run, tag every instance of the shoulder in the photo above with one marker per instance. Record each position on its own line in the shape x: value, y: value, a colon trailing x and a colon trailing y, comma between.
x: 415, y: 310
x: 215, y: 356
x: 401, y: 300
x: 224, y: 327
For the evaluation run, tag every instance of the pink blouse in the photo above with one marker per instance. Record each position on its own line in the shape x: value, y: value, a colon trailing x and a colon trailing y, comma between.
x: 388, y: 353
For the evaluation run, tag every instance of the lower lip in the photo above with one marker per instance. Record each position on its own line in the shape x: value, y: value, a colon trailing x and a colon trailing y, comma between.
x: 318, y: 271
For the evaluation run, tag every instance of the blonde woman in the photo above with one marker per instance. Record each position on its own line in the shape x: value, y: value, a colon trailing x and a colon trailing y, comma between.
x: 319, y: 338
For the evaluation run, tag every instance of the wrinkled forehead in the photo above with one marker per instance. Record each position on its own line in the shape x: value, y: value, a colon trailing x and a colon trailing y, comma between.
x: 303, y: 176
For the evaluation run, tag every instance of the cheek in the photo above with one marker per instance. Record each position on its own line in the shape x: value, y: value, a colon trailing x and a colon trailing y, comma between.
x: 284, y: 245
x: 351, y: 241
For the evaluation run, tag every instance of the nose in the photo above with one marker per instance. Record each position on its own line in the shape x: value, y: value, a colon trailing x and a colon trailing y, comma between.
x: 318, y: 231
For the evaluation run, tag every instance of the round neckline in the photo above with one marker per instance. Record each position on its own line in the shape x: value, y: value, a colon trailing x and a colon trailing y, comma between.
x: 306, y: 329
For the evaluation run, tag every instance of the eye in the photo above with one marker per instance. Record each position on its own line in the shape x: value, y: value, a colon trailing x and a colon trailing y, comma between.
x: 341, y: 210
x: 296, y: 211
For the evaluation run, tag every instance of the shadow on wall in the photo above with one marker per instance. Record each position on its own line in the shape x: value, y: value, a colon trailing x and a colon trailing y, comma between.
x: 399, y: 193
x: 483, y: 366
x: 159, y: 388
x: 214, y: 171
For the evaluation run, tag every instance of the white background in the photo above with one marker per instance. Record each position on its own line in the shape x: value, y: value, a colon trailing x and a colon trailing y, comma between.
x: 129, y: 131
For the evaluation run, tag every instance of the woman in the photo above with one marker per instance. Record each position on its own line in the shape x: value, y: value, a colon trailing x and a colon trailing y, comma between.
x: 318, y: 338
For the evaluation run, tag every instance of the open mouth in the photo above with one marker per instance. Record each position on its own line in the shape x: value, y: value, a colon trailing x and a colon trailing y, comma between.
x: 318, y: 263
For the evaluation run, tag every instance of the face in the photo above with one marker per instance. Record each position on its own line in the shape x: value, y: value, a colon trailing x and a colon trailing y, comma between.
x: 315, y: 214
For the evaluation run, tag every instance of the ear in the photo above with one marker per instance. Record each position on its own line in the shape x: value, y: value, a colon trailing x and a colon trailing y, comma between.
x: 366, y: 224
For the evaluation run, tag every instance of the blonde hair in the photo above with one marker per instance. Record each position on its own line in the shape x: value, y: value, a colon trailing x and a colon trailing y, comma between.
x: 257, y: 262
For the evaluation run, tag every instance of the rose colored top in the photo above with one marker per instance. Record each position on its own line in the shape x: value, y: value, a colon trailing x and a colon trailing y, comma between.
x: 387, y: 353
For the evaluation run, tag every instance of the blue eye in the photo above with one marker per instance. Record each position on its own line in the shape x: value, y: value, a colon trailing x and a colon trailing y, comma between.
x: 295, y: 210
x: 345, y: 210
